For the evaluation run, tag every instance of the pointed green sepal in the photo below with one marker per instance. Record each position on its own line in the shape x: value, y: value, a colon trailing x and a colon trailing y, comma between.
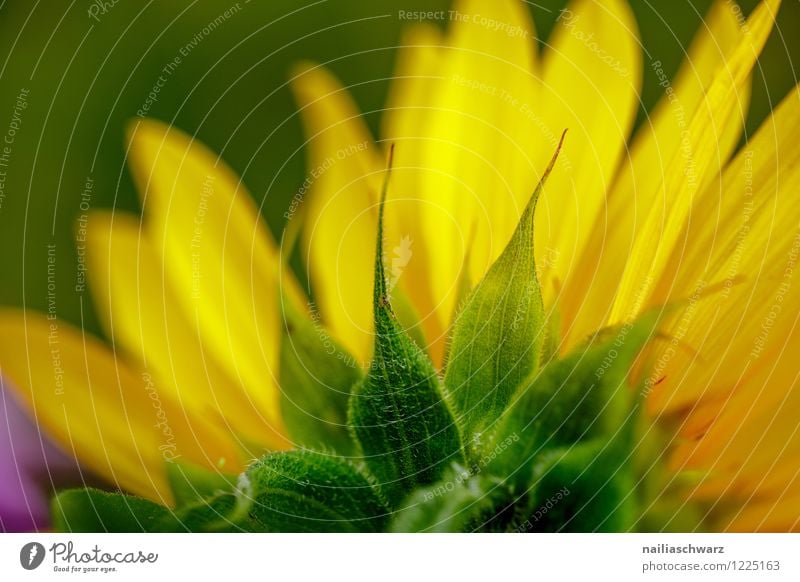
x: 405, y: 429
x: 92, y: 510
x: 303, y: 491
x: 316, y: 376
x: 498, y: 335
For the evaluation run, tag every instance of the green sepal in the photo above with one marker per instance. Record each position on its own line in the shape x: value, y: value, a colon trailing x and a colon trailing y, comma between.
x: 190, y: 483
x: 583, y: 397
x: 663, y: 491
x: 303, y: 491
x: 316, y: 377
x: 674, y: 514
x: 459, y: 502
x: 405, y: 429
x: 498, y: 335
x: 588, y: 487
x: 92, y: 510
x: 407, y: 317
x: 221, y: 512
x: 551, y: 345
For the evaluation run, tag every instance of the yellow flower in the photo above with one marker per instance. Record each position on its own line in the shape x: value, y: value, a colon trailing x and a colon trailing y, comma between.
x: 190, y: 294
x: 189, y: 298
x: 674, y: 214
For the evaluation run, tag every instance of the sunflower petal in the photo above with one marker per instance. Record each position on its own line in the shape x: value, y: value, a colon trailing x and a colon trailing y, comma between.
x: 415, y: 73
x: 404, y: 124
x: 591, y: 81
x: 634, y: 191
x: 473, y: 167
x: 340, y: 215
x: 690, y: 168
x: 751, y: 451
x: 747, y: 240
x: 780, y: 514
x: 142, y: 313
x: 105, y: 412
x: 217, y: 254
x: 736, y: 391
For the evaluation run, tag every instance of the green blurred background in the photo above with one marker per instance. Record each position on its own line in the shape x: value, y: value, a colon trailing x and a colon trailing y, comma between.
x: 86, y: 77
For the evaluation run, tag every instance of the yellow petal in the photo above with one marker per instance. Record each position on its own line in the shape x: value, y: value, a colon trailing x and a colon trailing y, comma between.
x: 474, y: 161
x: 744, y: 235
x: 405, y: 119
x: 637, y: 183
x: 750, y: 453
x: 142, y: 314
x: 780, y: 514
x: 414, y: 75
x: 754, y: 431
x: 734, y: 390
x: 591, y: 81
x: 217, y: 254
x: 690, y: 168
x: 341, y: 190
x: 116, y: 420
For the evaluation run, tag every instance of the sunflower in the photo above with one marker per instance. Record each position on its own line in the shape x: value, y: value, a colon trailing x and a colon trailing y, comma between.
x: 194, y: 295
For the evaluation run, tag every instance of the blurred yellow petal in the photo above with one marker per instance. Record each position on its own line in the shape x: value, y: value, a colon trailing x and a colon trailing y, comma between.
x: 638, y: 180
x: 475, y: 171
x: 116, y: 419
x: 340, y: 217
x: 752, y: 429
x: 779, y: 514
x: 404, y: 124
x: 751, y: 450
x: 415, y: 73
x: 142, y: 314
x: 690, y: 168
x: 591, y: 81
x: 219, y: 258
